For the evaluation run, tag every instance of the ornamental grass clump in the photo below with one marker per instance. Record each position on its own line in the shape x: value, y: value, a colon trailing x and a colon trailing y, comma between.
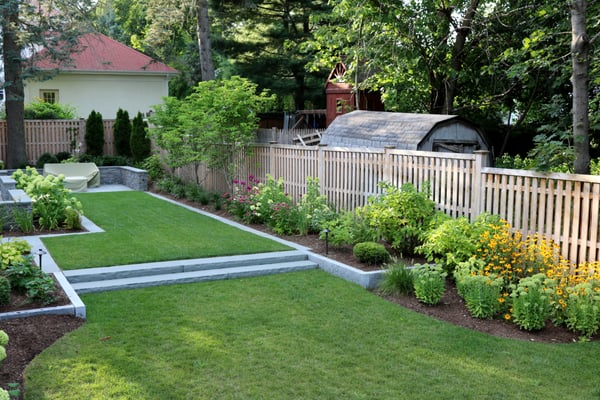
x: 531, y: 302
x: 429, y: 283
x: 397, y: 280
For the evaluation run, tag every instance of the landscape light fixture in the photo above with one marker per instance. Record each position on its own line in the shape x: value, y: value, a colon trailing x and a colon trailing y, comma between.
x: 40, y: 253
x: 326, y: 232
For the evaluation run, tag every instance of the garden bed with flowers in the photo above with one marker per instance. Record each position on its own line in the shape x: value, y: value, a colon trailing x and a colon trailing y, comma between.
x: 491, y: 277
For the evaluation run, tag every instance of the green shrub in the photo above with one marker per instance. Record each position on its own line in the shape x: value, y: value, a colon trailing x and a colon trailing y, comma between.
x: 397, y: 280
x: 349, y: 228
x: 28, y: 278
x: 13, y: 252
x: 531, y: 306
x: 46, y: 158
x: 482, y: 295
x: 45, y: 110
x: 583, y: 308
x: 4, y: 290
x: 50, y: 198
x: 63, y: 156
x: 315, y: 208
x: 139, y: 141
x: 122, y: 133
x: 401, y: 215
x: 371, y: 253
x: 94, y: 134
x: 429, y: 283
x: 153, y: 165
x: 449, y: 243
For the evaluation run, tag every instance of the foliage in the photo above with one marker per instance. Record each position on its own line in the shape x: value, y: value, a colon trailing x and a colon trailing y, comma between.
x: 263, y: 203
x: 13, y: 252
x: 429, y: 283
x: 44, y: 110
x: 482, y: 294
x: 23, y: 218
x: 583, y: 309
x: 154, y: 166
x: 53, y: 206
x: 401, y: 215
x: 45, y: 159
x: 28, y: 278
x: 103, y: 160
x: 371, y: 253
x: 122, y: 133
x: 140, y: 143
x: 4, y: 395
x: 314, y: 208
x: 531, y: 306
x: 397, y: 280
x: 210, y: 125
x: 94, y: 134
x: 349, y: 228
x: 4, y: 290
x: 449, y: 243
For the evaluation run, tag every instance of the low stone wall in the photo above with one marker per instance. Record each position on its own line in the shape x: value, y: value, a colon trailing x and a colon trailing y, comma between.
x: 134, y: 178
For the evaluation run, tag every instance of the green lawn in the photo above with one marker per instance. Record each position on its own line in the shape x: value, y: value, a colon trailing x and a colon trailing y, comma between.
x: 304, y: 335
x: 141, y: 228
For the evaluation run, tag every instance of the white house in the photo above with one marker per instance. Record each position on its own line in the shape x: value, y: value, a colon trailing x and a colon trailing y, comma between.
x: 104, y: 76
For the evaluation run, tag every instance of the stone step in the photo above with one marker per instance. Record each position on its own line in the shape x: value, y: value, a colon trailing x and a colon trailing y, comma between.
x: 179, y: 266
x: 191, y: 276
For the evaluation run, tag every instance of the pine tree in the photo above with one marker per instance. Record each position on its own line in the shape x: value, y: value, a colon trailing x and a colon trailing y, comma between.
x: 140, y: 143
x: 94, y: 134
x: 122, y: 133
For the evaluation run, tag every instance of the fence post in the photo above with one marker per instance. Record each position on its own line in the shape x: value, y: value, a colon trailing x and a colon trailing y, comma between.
x: 321, y: 167
x: 482, y: 159
x: 272, y: 162
x: 387, y: 164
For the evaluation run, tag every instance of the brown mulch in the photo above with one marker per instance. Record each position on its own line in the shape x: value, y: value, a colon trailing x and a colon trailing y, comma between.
x: 30, y: 336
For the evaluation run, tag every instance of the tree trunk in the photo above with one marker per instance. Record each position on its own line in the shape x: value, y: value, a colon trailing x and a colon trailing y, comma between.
x: 580, y: 44
x: 451, y: 83
x: 206, y: 62
x: 13, y: 83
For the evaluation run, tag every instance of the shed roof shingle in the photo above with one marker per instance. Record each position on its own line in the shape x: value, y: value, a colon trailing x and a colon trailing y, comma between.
x: 402, y: 130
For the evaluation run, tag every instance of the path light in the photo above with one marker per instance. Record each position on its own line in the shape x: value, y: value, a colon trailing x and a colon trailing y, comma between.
x: 40, y: 253
x: 326, y: 232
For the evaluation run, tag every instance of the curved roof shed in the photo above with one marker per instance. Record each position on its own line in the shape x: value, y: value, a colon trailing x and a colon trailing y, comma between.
x: 428, y: 132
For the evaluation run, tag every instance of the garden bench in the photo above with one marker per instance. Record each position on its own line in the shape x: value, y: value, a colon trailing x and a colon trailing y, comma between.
x: 78, y: 176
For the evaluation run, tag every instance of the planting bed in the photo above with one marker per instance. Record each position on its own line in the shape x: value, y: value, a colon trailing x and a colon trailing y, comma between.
x: 29, y: 336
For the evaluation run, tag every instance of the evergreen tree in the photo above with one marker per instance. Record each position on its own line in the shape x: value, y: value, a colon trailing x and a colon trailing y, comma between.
x: 140, y: 143
x: 94, y: 134
x: 122, y: 133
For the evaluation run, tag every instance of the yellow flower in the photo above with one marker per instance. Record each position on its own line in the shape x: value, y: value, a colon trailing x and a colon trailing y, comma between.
x: 507, y: 317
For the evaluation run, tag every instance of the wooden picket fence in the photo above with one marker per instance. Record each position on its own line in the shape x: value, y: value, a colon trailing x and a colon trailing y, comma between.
x: 54, y: 136
x: 561, y: 207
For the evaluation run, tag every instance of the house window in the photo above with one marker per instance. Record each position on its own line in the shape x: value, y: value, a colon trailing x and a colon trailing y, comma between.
x: 49, y: 96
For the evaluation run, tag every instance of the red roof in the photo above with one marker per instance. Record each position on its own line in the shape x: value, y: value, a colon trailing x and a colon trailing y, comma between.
x: 99, y: 53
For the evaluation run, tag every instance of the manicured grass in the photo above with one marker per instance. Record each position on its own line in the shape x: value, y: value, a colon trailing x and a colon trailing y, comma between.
x: 305, y: 335
x: 141, y: 228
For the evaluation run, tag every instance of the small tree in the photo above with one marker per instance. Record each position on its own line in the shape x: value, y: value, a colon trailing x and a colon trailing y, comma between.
x: 216, y: 121
x: 122, y: 133
x: 94, y: 134
x: 140, y: 143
